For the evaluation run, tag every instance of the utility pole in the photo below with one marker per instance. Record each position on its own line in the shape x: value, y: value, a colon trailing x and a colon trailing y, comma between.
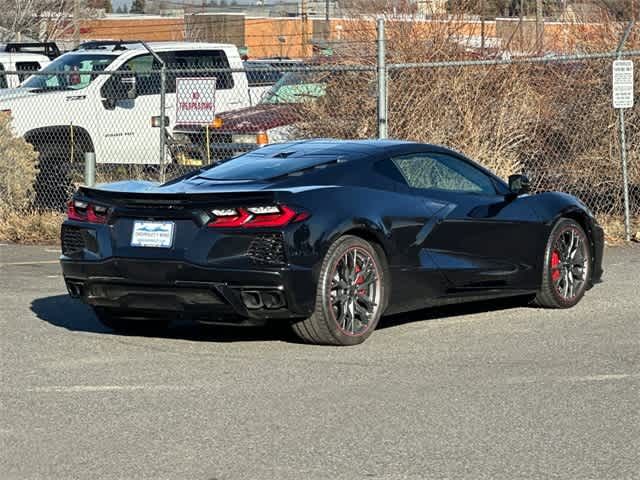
x: 539, y: 27
x: 521, y: 25
x: 327, y: 20
x: 303, y: 14
x: 482, y: 27
x: 76, y: 23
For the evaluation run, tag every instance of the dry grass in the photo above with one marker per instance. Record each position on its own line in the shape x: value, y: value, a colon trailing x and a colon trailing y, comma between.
x: 18, y: 168
x: 614, y: 229
x: 30, y: 227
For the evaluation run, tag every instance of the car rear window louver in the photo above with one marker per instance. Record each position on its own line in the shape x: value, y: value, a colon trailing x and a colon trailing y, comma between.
x: 302, y: 171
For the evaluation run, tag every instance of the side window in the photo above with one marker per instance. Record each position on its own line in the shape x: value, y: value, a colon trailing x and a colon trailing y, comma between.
x: 147, y: 69
x: 147, y: 74
x: 198, y: 60
x: 25, y: 69
x: 443, y: 172
x: 3, y: 77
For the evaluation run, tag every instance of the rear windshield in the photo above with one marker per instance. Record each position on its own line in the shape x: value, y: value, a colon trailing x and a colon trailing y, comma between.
x: 264, y: 164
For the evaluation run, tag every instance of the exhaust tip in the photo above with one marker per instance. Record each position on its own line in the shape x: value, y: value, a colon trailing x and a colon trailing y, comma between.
x: 269, y: 299
x: 252, y: 299
x: 273, y: 300
x: 75, y: 289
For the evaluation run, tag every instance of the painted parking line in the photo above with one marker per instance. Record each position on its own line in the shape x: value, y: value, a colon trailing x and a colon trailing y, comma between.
x: 111, y: 388
x: 19, y: 264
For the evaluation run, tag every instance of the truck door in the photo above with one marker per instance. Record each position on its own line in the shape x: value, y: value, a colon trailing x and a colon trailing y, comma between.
x: 129, y: 134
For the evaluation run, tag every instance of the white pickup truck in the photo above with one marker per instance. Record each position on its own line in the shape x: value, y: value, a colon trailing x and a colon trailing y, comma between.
x: 74, y: 106
x: 22, y: 59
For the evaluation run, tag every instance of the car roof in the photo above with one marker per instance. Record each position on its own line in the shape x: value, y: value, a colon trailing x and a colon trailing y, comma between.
x: 350, y: 148
x: 18, y: 56
x: 156, y: 46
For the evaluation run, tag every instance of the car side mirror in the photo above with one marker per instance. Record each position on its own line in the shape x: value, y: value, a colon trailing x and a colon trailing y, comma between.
x: 120, y: 87
x: 519, y: 184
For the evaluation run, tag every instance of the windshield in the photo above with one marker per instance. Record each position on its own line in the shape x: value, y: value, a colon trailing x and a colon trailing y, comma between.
x: 80, y: 68
x: 296, y: 88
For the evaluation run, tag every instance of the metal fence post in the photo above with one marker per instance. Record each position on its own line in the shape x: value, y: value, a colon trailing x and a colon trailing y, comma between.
x: 163, y: 95
x: 90, y: 169
x: 382, y: 82
x: 623, y: 147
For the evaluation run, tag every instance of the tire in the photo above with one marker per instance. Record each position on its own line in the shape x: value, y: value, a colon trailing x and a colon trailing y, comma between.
x: 53, y: 183
x: 122, y: 321
x: 567, y: 269
x: 349, y: 301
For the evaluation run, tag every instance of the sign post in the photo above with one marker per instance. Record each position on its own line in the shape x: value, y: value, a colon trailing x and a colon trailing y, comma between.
x: 623, y: 98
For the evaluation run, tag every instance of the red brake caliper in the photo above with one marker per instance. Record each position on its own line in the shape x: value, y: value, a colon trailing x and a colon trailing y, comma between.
x: 555, y: 261
x: 359, y: 280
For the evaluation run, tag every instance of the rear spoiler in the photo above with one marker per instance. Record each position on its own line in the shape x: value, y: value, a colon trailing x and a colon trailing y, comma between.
x: 176, y: 200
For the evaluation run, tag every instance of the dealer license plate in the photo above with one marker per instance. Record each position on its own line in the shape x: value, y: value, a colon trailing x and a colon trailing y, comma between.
x: 152, y: 234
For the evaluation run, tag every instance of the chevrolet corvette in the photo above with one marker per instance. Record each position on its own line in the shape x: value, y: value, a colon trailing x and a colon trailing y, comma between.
x: 327, y: 236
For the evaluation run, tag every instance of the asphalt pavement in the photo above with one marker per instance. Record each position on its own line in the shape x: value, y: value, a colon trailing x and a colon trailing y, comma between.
x: 492, y: 390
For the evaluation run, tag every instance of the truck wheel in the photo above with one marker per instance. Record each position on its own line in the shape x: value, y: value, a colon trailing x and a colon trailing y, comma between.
x: 53, y: 185
x: 351, y: 296
x: 122, y: 321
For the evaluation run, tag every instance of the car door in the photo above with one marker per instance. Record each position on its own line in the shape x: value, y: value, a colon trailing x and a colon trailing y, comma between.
x: 484, y: 239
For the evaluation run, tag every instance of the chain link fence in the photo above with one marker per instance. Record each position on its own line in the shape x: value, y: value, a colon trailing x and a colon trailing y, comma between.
x: 551, y: 118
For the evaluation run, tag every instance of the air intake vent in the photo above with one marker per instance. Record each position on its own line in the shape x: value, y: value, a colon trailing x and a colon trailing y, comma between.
x: 72, y: 240
x: 267, y: 249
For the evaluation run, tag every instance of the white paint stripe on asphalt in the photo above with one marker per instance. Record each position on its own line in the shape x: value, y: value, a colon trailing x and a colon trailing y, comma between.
x: 585, y: 378
x: 49, y: 250
x: 17, y: 264
x: 600, y: 378
x: 112, y: 388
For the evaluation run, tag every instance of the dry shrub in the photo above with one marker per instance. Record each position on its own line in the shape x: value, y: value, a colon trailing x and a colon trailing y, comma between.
x: 18, y: 168
x: 553, y: 120
x: 30, y: 226
x: 19, y: 222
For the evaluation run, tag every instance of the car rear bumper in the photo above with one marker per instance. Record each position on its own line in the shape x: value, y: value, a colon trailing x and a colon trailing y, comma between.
x: 202, y: 293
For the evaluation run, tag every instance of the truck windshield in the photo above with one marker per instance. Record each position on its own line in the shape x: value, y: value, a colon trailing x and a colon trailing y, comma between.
x: 296, y: 88
x: 72, y: 71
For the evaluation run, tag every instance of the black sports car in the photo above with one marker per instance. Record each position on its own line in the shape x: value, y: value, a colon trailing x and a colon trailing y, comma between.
x: 327, y: 235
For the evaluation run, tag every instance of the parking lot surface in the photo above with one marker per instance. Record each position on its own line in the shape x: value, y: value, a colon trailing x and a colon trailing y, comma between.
x: 491, y: 390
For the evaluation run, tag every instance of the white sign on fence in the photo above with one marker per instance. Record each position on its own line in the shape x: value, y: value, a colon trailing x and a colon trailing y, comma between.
x: 623, y: 84
x: 195, y: 100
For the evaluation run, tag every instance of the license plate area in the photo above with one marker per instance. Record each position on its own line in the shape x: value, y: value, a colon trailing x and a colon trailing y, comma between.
x: 152, y: 234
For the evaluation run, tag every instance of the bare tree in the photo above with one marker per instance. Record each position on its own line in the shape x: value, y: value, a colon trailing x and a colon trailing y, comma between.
x: 40, y: 19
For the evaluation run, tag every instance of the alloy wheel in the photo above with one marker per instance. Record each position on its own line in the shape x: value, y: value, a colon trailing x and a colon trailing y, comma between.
x: 569, y: 264
x: 355, y: 291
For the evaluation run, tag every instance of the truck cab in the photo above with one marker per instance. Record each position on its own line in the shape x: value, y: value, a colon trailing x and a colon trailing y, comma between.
x: 19, y: 60
x: 105, y: 98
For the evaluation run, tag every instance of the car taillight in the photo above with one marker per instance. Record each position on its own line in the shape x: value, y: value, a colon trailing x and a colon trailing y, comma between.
x: 270, y: 216
x: 86, y: 212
